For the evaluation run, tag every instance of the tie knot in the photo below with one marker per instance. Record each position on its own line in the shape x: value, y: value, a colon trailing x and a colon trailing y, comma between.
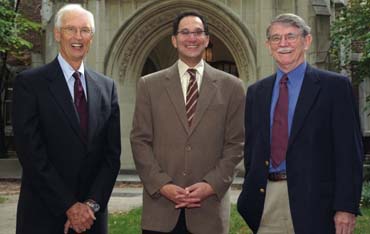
x: 76, y: 75
x: 192, y: 72
x: 284, y: 79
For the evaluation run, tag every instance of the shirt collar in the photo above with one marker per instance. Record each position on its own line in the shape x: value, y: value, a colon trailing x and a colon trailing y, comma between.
x: 67, y: 68
x: 294, y: 75
x: 183, y: 67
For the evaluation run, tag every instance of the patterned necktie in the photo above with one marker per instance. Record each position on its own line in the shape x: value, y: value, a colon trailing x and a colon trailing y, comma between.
x: 279, y: 140
x: 191, y: 96
x: 80, y: 103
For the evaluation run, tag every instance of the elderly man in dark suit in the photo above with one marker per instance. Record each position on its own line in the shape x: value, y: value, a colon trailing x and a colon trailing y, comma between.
x: 67, y: 134
x: 187, y: 138
x: 303, y: 151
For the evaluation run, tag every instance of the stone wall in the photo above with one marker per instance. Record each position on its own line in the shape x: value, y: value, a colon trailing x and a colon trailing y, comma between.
x: 128, y: 30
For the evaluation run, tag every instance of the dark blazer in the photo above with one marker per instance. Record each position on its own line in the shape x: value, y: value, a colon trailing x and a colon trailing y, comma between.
x: 324, y: 156
x: 167, y: 150
x: 59, y: 166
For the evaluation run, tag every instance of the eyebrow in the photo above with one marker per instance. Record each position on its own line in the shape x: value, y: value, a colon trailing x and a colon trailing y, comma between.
x: 198, y: 28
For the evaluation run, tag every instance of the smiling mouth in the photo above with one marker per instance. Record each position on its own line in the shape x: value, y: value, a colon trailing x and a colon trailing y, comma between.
x: 191, y: 46
x: 77, y: 45
x: 284, y: 50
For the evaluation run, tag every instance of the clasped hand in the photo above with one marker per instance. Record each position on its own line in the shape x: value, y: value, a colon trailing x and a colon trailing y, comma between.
x: 80, y: 218
x: 344, y: 222
x: 189, y: 197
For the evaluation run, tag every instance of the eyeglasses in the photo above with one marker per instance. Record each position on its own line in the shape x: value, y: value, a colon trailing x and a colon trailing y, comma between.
x: 290, y: 37
x: 187, y: 33
x: 84, y: 32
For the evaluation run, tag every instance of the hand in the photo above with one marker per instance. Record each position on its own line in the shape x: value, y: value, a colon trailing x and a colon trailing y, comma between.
x: 67, y: 226
x: 174, y: 193
x: 344, y: 222
x: 197, y: 193
x: 80, y: 217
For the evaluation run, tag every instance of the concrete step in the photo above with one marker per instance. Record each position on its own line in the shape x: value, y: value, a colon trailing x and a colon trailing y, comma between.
x: 134, y: 179
x: 10, y: 168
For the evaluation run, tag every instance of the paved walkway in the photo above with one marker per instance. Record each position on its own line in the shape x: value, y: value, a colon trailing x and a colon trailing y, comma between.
x: 123, y: 199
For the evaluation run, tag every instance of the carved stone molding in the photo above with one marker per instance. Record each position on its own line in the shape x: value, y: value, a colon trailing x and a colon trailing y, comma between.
x: 152, y: 22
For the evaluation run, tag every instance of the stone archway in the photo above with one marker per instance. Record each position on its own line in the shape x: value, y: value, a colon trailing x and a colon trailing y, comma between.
x: 144, y: 29
x: 139, y: 34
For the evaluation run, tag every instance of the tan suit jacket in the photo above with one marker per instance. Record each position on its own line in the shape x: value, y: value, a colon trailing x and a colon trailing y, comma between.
x: 167, y: 150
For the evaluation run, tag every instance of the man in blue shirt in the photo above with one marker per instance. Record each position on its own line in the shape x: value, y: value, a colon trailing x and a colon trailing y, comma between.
x: 303, y: 150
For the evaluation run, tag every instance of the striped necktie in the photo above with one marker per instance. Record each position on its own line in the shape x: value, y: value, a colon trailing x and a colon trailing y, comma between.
x: 191, y: 96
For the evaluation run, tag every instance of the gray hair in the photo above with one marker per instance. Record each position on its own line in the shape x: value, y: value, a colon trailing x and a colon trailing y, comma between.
x: 69, y: 8
x: 291, y: 20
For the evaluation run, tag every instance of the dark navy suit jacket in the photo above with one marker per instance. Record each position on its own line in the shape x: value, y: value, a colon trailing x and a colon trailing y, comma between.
x: 324, y: 156
x: 59, y: 166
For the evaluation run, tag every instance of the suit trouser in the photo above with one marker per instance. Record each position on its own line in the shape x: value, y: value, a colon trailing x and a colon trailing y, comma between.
x: 276, y: 216
x: 180, y: 227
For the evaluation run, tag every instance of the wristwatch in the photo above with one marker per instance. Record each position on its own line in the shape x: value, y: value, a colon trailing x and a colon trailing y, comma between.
x: 93, y: 205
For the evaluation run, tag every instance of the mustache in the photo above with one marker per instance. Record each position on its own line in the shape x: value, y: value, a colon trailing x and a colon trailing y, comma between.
x: 284, y: 50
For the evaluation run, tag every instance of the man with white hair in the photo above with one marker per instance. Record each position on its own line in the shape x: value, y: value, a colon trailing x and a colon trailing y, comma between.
x: 67, y: 134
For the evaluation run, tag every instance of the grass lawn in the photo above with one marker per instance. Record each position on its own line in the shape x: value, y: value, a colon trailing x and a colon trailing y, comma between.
x: 130, y: 222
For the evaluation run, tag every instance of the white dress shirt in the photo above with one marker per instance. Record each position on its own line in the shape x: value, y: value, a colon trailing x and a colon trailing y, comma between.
x: 185, y: 76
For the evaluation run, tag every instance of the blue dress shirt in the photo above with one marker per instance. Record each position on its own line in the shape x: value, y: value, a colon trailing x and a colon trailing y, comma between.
x: 68, y: 72
x: 295, y: 80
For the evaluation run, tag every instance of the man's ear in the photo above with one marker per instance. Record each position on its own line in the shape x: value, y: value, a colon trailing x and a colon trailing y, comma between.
x: 56, y: 34
x: 268, y: 46
x: 174, y: 41
x: 207, y: 36
x: 307, y: 42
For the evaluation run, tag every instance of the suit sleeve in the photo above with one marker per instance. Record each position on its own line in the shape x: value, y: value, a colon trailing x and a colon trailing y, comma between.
x: 248, y: 123
x: 221, y: 177
x: 102, y: 187
x: 348, y: 149
x: 149, y: 170
x: 42, y: 176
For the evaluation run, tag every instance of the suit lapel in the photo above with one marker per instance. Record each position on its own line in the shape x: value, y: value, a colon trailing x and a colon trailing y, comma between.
x: 93, y: 102
x: 310, y: 89
x: 263, y: 101
x: 60, y: 92
x: 174, y: 90
x: 206, y: 94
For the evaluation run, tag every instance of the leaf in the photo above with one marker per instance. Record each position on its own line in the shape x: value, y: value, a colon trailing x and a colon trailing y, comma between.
x: 350, y: 32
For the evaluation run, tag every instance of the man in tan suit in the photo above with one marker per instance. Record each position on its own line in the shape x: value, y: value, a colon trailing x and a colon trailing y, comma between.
x: 187, y: 138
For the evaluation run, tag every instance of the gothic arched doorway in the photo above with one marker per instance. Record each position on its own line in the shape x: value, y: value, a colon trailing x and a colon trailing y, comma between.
x: 149, y: 28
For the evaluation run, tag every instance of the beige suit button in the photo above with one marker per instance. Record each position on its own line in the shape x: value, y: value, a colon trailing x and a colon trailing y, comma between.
x: 262, y: 190
x: 267, y: 163
x: 184, y: 173
x: 188, y: 148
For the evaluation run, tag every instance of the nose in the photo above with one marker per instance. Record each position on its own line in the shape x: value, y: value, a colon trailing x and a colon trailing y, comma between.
x: 78, y: 34
x: 283, y: 41
x: 192, y: 37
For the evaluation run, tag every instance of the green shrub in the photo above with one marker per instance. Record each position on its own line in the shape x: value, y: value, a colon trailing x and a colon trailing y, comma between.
x: 365, y: 198
x: 2, y: 199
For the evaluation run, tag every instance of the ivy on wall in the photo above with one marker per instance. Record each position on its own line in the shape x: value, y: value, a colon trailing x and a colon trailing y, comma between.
x: 350, y: 36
